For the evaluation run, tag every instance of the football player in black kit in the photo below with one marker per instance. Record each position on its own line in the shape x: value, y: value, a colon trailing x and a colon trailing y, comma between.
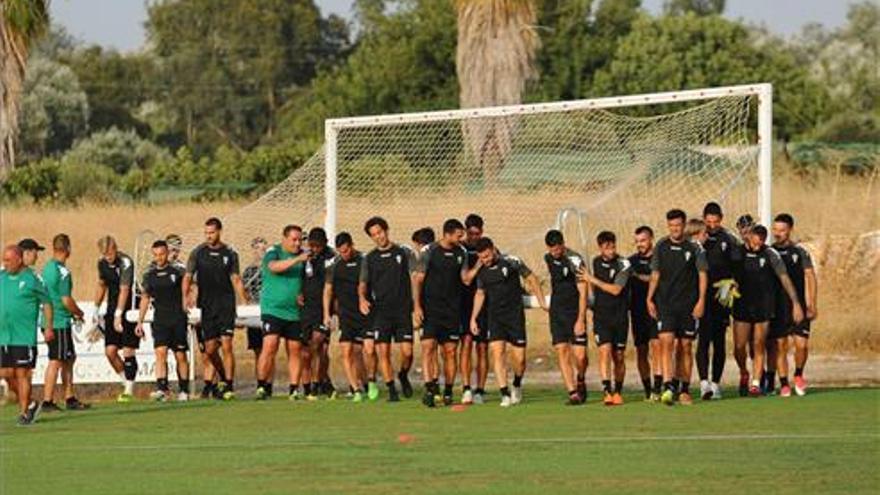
x: 568, y: 314
x: 316, y: 362
x: 163, y: 287
x: 385, y: 294
x: 438, y: 281
x: 644, y: 327
x: 498, y: 281
x: 115, y: 281
x: 473, y: 225
x: 800, y: 269
x: 756, y: 277
x: 676, y: 299
x: 214, y: 267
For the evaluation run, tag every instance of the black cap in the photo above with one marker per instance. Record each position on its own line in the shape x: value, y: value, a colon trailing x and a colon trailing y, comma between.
x: 745, y: 221
x: 30, y: 245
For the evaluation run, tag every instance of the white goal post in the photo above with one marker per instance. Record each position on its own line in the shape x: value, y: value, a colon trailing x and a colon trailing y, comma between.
x: 763, y: 92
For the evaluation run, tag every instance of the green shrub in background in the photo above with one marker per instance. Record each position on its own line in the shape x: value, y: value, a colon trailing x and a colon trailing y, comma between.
x: 119, y: 150
x: 38, y: 181
x: 80, y: 182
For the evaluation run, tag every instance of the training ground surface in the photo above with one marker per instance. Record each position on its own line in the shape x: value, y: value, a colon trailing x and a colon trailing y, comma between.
x: 826, y: 442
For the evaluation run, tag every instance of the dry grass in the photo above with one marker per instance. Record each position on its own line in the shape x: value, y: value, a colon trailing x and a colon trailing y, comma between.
x: 831, y: 212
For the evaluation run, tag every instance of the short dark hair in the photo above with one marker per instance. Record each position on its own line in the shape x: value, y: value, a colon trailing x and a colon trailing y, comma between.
x: 474, y: 220
x: 483, y: 244
x: 760, y: 231
x: 744, y: 221
x: 161, y: 243
x: 605, y: 237
x: 342, y: 239
x: 676, y: 213
x: 451, y: 225
x: 289, y: 228
x: 61, y: 242
x: 214, y: 222
x: 318, y: 234
x: 381, y: 222
x: 785, y: 218
x: 424, y: 236
x: 644, y: 229
x: 554, y: 238
x: 712, y: 208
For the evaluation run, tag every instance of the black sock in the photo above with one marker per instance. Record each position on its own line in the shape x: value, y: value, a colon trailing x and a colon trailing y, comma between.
x: 798, y: 372
x: 771, y: 380
x: 447, y: 390
x: 162, y: 384
x: 391, y: 389
x: 261, y: 384
x: 403, y: 375
x: 658, y: 382
x: 581, y: 378
x: 48, y: 402
x: 229, y: 385
x: 307, y: 388
x: 479, y: 391
x: 183, y: 385
x: 269, y: 388
x: 685, y: 387
x: 465, y: 388
x: 316, y: 387
x: 70, y: 400
x: 783, y: 381
x: 675, y: 384
x: 517, y: 380
x: 618, y: 386
x: 646, y: 384
x: 209, y: 385
x: 292, y: 388
x: 505, y: 392
x: 606, y: 386
x: 130, y: 368
x: 668, y: 386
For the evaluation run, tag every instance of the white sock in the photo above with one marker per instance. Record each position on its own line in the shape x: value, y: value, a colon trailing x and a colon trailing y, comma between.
x: 129, y: 387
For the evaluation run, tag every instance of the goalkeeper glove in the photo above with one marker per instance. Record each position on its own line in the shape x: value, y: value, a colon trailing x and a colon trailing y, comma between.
x: 727, y: 292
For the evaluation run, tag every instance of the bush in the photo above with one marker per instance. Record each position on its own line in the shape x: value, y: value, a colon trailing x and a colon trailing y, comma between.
x: 39, y: 181
x: 87, y: 181
x: 121, y: 151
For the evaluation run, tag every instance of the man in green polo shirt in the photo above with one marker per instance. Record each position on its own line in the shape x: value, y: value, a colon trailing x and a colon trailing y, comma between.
x: 21, y: 294
x: 282, y: 270
x: 62, y: 354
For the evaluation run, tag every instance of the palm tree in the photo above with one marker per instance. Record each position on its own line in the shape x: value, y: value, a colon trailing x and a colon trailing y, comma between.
x: 495, y: 58
x: 21, y: 23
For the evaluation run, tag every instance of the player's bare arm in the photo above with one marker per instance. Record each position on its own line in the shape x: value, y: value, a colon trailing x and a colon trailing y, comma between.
x: 652, y: 288
x: 479, y: 299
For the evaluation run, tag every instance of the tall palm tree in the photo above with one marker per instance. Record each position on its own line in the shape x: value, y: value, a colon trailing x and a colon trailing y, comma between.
x: 495, y: 58
x: 21, y: 23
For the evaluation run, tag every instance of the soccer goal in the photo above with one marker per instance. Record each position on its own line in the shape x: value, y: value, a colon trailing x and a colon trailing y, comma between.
x: 584, y: 166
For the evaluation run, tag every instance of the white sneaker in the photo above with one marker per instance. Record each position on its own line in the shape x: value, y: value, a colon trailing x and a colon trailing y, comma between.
x: 516, y: 395
x: 158, y: 396
x: 182, y: 397
x: 467, y: 397
x: 716, y: 391
x: 505, y: 401
x: 705, y: 390
x: 478, y: 399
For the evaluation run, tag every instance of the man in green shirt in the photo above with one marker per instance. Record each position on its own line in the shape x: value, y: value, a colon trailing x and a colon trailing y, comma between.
x: 21, y: 294
x: 282, y: 272
x: 62, y: 354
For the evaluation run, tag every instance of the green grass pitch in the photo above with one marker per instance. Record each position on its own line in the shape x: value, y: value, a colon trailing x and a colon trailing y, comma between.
x: 828, y: 441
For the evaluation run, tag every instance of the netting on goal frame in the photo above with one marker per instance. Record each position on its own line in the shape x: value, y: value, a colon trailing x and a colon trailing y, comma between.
x: 583, y: 166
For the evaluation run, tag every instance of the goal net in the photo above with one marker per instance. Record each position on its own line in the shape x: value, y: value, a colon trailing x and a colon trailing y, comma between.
x: 583, y: 166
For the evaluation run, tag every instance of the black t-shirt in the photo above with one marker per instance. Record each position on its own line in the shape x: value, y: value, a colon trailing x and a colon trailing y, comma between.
x: 314, y: 273
x: 387, y: 275
x: 797, y: 260
x: 757, y: 275
x: 679, y: 264
x: 115, y: 275
x: 638, y: 289
x: 344, y: 276
x: 722, y: 251
x: 442, y: 290
x: 503, y: 289
x: 563, y: 282
x: 212, y: 269
x: 608, y: 307
x: 164, y: 286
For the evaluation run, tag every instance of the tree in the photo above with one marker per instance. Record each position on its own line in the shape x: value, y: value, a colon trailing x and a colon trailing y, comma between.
x: 495, y: 58
x: 117, y: 150
x: 227, y: 66
x: 698, y: 7
x: 689, y: 51
x: 22, y: 22
x: 54, y: 110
